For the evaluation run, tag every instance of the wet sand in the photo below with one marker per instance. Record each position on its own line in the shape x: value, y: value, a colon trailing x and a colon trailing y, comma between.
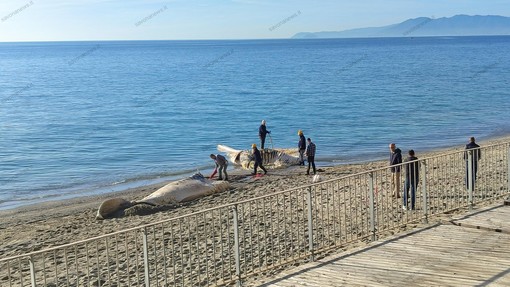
x: 51, y: 224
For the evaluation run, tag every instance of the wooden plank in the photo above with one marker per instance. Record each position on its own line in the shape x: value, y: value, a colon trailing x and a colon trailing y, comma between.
x: 445, y: 255
x: 492, y: 220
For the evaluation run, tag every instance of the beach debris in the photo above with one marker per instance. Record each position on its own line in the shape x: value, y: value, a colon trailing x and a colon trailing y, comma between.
x: 184, y: 190
x: 316, y: 178
x: 278, y: 157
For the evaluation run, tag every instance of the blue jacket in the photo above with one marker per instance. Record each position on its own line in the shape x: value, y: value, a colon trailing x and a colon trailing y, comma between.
x: 302, y: 142
x: 396, y: 158
x: 263, y: 131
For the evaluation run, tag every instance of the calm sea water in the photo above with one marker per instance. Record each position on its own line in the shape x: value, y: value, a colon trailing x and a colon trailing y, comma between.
x: 79, y: 118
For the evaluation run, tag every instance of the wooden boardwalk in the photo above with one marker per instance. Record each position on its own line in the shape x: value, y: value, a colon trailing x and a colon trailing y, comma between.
x: 473, y: 251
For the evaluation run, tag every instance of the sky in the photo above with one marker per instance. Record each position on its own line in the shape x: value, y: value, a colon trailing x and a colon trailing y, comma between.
x: 82, y: 20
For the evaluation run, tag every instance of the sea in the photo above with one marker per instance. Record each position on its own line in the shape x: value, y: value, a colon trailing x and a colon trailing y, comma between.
x: 87, y: 118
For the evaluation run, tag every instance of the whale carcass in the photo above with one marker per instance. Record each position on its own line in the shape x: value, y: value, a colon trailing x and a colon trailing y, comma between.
x: 183, y: 190
x: 271, y: 157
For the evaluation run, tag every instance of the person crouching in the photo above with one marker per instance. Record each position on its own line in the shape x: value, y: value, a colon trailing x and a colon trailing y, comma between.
x: 221, y: 165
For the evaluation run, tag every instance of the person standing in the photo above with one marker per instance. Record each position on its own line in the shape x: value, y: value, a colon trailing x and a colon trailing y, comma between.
x: 477, y: 155
x: 262, y: 133
x: 258, y: 160
x: 221, y: 165
x: 310, y: 153
x: 301, y: 147
x: 412, y: 179
x: 395, y: 159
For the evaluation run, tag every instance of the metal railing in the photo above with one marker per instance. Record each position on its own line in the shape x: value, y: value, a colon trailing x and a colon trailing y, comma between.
x: 229, y: 244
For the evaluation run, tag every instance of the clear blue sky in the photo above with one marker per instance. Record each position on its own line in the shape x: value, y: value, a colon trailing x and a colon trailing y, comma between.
x: 59, y: 20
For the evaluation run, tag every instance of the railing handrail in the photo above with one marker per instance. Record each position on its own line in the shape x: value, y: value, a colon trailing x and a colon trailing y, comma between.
x: 235, y: 204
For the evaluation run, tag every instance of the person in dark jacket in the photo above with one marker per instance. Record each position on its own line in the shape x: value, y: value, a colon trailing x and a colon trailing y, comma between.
x: 476, y: 156
x: 221, y: 165
x: 310, y: 154
x: 301, y: 147
x: 262, y: 133
x: 395, y: 158
x: 412, y: 179
x: 258, y: 160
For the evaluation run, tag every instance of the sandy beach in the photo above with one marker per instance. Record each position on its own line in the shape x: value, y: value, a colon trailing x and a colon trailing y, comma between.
x: 51, y: 224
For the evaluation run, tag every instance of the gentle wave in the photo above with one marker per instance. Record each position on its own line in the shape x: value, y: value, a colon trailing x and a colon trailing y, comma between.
x: 133, y: 113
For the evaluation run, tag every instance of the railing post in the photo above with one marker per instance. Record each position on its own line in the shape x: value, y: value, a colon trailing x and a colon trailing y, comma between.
x: 32, y: 270
x: 237, y: 256
x: 310, y: 222
x: 507, y: 201
x: 424, y: 191
x: 508, y: 172
x: 372, y: 204
x: 146, y: 257
x: 470, y: 178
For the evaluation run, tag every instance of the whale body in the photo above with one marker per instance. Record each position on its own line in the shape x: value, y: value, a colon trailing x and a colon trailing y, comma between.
x: 184, y: 190
x: 278, y: 157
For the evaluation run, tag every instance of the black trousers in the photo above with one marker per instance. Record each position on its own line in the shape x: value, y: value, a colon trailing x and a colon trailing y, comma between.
x: 262, y: 141
x: 257, y: 164
x: 474, y: 171
x: 311, y: 161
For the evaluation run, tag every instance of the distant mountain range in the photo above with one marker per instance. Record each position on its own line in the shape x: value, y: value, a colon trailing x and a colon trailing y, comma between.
x: 459, y: 25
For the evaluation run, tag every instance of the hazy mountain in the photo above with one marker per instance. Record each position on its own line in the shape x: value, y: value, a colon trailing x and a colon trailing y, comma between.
x: 460, y: 25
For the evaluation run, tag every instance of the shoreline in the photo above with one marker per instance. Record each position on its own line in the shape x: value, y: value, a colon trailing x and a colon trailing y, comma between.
x: 134, y: 188
x: 98, y: 188
x: 49, y: 224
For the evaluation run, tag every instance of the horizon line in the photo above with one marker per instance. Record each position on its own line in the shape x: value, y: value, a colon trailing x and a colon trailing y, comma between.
x: 247, y: 39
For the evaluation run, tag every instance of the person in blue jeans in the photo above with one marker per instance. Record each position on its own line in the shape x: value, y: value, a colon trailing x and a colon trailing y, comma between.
x: 412, y: 179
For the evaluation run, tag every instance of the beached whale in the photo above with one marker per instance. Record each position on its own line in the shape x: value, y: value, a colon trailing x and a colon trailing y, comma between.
x: 271, y: 157
x: 183, y: 190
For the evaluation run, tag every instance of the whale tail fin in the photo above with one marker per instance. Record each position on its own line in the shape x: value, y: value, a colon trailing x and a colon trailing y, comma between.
x: 233, y: 154
x: 227, y: 149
